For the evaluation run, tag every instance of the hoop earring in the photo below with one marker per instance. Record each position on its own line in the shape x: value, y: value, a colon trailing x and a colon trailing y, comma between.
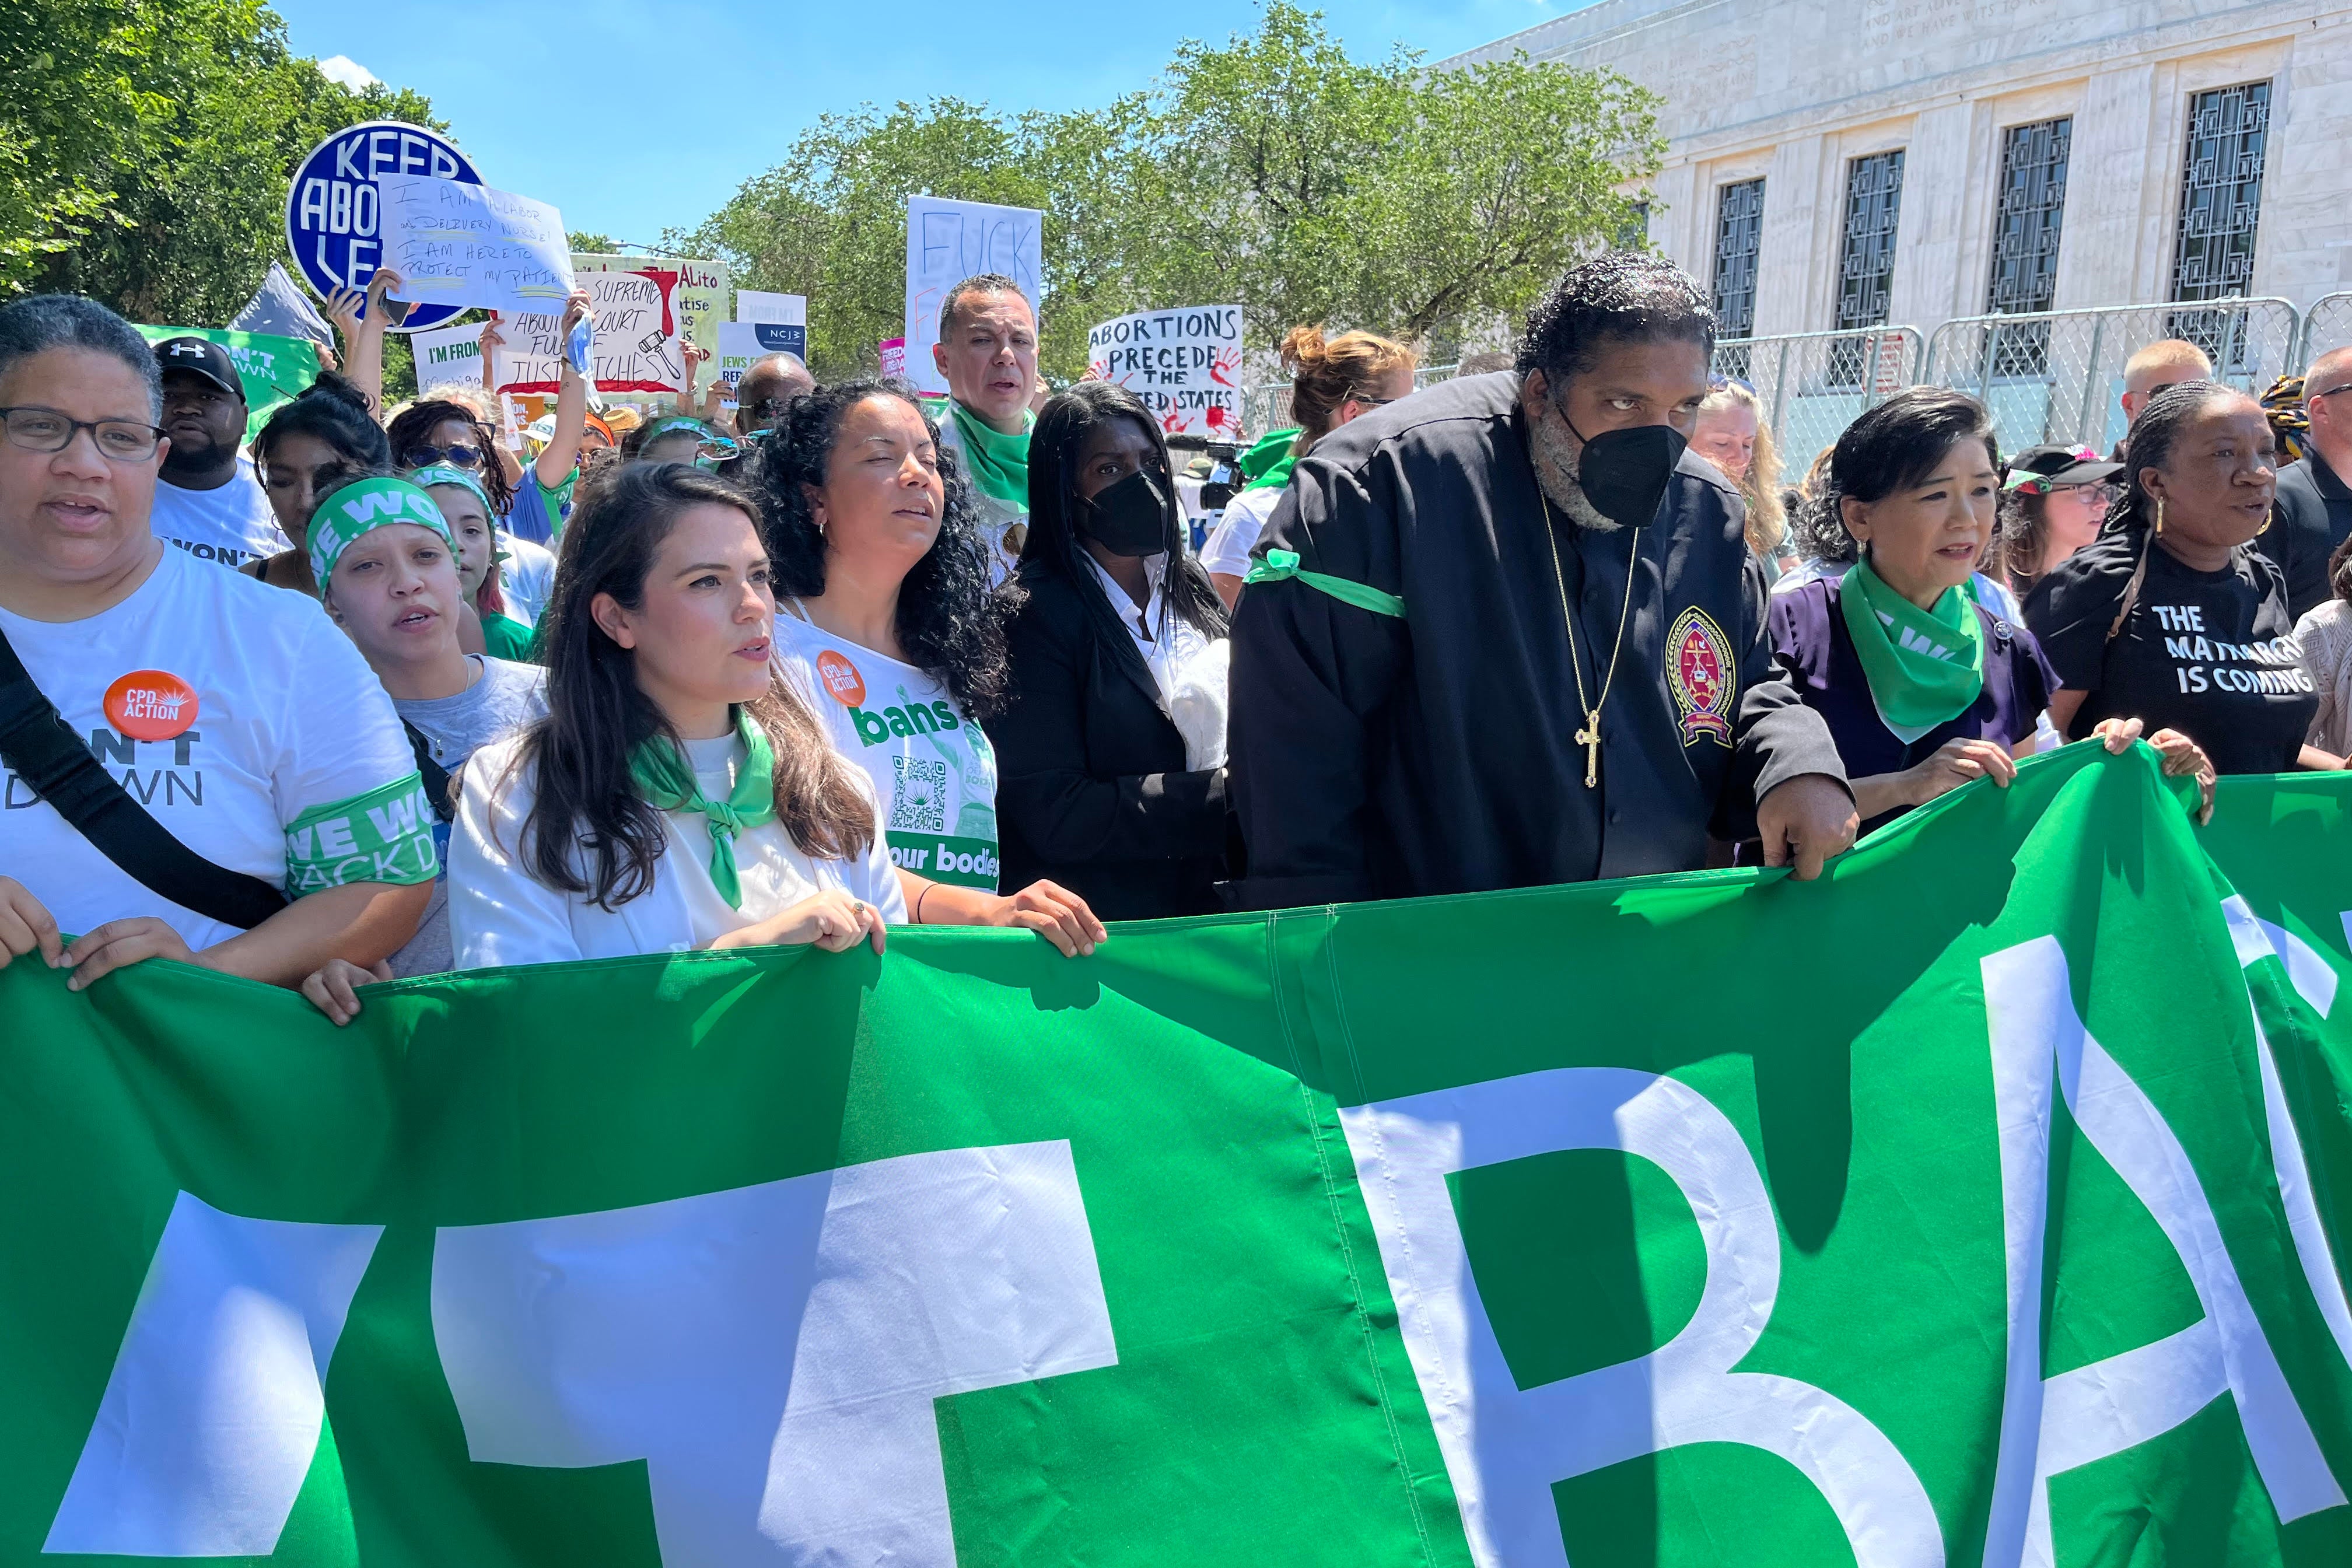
x: 2160, y: 514
x: 2267, y: 517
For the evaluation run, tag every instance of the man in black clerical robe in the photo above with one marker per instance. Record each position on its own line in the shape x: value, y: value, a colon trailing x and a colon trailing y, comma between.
x: 1440, y: 744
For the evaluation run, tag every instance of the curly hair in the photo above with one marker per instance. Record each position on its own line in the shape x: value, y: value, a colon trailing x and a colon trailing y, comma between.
x: 1327, y: 371
x: 413, y: 424
x: 1622, y: 296
x: 948, y: 621
x: 590, y: 831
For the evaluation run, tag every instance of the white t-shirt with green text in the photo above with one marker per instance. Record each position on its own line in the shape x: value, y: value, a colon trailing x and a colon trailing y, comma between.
x: 933, y: 770
x: 243, y: 722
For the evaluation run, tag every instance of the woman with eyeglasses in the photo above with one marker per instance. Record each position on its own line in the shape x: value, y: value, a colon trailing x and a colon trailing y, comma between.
x: 255, y: 734
x: 1332, y: 382
x: 2053, y: 500
x: 678, y: 438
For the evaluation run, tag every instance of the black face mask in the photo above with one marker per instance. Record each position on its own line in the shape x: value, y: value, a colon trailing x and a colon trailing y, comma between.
x: 1624, y: 473
x: 1130, y: 518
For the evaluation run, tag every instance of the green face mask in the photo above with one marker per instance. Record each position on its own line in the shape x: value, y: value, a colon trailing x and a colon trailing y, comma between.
x: 1924, y: 667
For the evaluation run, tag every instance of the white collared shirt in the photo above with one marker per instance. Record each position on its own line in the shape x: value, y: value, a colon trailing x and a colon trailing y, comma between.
x: 1165, y: 639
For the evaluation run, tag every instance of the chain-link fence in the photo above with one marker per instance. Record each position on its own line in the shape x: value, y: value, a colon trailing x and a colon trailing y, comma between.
x: 2326, y: 326
x: 2058, y: 375
x: 1266, y: 406
x: 1812, y: 384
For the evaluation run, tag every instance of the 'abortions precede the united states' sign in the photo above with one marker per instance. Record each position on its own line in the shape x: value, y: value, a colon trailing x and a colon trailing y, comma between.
x: 1185, y: 365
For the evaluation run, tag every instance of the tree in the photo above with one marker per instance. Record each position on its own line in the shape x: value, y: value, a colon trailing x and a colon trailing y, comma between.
x: 149, y: 147
x: 583, y: 243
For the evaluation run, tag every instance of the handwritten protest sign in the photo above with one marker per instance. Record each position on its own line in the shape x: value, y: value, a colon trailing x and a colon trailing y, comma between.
x: 948, y: 242
x: 332, y: 207
x: 456, y: 244
x: 637, y: 343
x: 273, y: 370
x: 698, y: 298
x: 1185, y: 365
x: 759, y: 305
x: 449, y: 356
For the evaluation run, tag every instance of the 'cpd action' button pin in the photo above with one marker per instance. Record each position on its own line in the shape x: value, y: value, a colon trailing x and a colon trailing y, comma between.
x: 150, y: 705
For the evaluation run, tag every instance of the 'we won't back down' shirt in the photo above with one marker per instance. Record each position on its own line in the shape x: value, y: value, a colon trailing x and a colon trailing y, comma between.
x: 933, y: 771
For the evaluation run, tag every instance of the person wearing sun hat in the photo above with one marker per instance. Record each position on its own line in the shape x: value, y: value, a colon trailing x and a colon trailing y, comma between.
x: 387, y: 566
x: 2053, y: 499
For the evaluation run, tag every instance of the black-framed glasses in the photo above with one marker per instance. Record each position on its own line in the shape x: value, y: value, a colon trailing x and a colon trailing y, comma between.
x: 51, y: 430
x: 424, y: 457
x: 2345, y: 386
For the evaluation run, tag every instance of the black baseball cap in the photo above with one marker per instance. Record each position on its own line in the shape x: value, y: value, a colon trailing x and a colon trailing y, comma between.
x: 2040, y: 470
x: 201, y: 356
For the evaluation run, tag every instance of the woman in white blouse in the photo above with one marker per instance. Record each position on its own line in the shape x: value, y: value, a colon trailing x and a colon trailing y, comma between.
x: 678, y: 794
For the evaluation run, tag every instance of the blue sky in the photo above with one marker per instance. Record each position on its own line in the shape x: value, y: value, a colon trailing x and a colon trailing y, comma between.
x: 634, y: 117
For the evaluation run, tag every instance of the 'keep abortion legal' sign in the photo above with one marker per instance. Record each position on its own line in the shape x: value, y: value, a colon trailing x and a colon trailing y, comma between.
x: 1185, y: 365
x: 334, y: 211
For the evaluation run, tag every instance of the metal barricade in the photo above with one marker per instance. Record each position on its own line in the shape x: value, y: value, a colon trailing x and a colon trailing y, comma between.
x: 2058, y: 375
x: 2326, y: 326
x: 1812, y: 384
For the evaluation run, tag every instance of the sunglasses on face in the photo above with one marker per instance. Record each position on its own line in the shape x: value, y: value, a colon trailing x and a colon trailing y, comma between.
x: 424, y: 457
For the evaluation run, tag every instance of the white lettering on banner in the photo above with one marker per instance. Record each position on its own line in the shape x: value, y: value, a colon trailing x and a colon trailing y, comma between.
x: 2049, y: 1425
x: 772, y: 1352
x: 1505, y: 1447
x: 211, y: 1414
x: 2314, y: 980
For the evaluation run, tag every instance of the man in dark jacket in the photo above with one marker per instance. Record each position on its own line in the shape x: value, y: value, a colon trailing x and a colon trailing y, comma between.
x: 2313, y: 500
x: 1505, y: 634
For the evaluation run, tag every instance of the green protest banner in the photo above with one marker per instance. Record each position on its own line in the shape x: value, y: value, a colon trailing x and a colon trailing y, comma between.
x: 274, y: 370
x: 1973, y: 1205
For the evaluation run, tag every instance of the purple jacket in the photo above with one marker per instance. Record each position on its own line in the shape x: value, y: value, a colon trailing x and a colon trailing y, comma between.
x: 1809, y: 640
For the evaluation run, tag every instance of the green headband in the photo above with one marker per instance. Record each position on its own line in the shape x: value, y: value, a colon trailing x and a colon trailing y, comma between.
x: 451, y: 474
x: 672, y: 425
x: 356, y: 509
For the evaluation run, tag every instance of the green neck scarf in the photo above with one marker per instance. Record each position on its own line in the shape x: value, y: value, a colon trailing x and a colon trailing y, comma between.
x: 666, y: 779
x: 1267, y: 464
x: 1924, y: 667
x: 999, y: 463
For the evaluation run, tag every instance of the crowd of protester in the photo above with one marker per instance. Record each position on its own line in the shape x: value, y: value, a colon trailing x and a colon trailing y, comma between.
x: 382, y: 692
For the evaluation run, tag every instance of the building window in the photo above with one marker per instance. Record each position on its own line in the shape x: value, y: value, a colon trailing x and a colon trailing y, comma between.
x: 1634, y: 232
x: 1874, y: 201
x: 1738, y: 228
x: 2221, y: 192
x: 2025, y: 241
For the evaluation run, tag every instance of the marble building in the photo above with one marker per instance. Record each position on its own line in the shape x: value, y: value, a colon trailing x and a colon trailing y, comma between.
x: 1843, y: 163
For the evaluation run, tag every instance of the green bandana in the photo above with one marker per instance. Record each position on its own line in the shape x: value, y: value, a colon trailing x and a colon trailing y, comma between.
x: 666, y: 779
x: 1267, y: 465
x: 356, y: 509
x: 433, y: 474
x: 999, y: 463
x: 1924, y: 667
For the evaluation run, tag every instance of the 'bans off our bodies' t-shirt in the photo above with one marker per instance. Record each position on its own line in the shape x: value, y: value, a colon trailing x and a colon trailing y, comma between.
x: 2210, y: 653
x: 933, y: 770
x: 243, y: 722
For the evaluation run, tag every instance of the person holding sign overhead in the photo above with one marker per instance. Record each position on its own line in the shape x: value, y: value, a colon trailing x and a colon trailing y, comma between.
x: 988, y: 352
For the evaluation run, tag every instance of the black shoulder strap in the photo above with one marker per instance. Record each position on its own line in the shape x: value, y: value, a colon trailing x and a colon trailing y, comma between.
x: 436, y: 777
x: 57, y: 766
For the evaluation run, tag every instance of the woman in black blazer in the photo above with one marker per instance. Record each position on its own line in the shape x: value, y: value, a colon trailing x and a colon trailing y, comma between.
x: 1095, y: 789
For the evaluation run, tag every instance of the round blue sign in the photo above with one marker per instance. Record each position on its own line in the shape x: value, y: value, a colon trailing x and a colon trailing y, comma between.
x: 330, y: 207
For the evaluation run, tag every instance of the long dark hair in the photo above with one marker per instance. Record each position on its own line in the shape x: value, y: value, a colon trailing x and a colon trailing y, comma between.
x: 331, y: 410
x: 947, y: 623
x: 597, y: 715
x: 413, y: 424
x: 2024, y: 540
x: 1054, y: 505
x: 1893, y: 445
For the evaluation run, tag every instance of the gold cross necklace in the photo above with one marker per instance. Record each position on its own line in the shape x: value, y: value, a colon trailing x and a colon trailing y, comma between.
x: 1590, y: 736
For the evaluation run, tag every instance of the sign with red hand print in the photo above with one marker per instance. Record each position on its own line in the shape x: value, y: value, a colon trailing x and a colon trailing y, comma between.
x: 1185, y: 365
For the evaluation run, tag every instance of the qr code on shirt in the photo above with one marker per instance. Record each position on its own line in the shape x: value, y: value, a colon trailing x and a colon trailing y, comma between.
x: 919, y: 799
